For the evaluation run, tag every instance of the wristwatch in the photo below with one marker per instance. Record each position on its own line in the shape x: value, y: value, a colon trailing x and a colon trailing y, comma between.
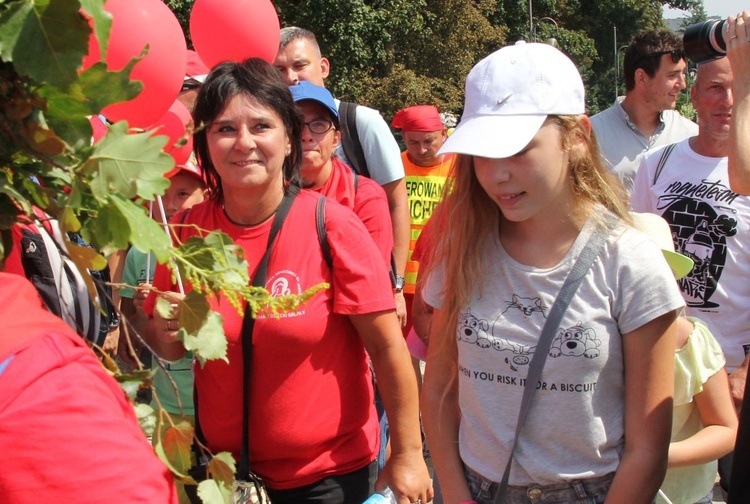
x: 399, y: 287
x: 114, y: 321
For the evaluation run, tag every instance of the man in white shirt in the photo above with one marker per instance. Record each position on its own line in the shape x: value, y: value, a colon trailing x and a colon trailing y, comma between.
x: 644, y: 118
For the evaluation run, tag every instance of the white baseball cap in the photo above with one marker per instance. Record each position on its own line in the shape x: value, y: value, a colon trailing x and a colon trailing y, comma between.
x: 509, y: 94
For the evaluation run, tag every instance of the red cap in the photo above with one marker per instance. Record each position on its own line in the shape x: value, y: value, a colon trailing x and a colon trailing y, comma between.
x: 418, y: 118
x: 189, y: 167
x: 196, y: 69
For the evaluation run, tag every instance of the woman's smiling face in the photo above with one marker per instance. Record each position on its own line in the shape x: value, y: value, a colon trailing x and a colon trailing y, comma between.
x: 248, y: 143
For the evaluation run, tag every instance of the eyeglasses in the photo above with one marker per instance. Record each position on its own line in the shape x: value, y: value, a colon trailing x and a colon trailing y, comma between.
x: 319, y: 127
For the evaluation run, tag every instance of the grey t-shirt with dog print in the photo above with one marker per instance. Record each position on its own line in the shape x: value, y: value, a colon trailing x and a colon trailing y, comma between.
x: 575, y: 426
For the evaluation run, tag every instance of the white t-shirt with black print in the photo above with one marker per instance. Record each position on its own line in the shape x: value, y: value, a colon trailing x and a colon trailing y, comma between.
x: 710, y: 224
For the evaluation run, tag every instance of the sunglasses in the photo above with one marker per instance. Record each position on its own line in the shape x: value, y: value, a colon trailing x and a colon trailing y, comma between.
x: 676, y: 54
x: 187, y: 85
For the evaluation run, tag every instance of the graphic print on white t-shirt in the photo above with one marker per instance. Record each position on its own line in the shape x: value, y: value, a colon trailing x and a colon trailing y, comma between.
x: 575, y: 341
x: 519, y: 311
x: 700, y: 228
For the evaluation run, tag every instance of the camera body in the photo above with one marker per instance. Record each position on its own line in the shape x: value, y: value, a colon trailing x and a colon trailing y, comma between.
x: 704, y: 41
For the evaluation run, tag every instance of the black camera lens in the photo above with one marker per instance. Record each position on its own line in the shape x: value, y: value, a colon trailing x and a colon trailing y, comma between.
x: 704, y: 41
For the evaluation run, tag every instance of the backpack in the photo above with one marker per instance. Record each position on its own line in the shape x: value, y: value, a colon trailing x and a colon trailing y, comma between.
x: 59, y: 282
x: 350, y: 138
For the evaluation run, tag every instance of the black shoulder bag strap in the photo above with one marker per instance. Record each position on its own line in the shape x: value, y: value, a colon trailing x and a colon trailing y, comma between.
x: 350, y: 138
x: 320, y: 224
x: 564, y: 297
x: 243, y: 469
x: 662, y: 162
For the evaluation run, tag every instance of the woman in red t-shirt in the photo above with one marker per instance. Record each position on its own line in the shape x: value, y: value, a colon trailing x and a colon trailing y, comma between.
x: 312, y: 426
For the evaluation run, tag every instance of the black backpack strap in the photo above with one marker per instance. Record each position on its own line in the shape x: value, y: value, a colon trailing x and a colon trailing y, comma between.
x: 662, y: 161
x: 350, y: 138
x: 320, y: 223
x: 248, y: 322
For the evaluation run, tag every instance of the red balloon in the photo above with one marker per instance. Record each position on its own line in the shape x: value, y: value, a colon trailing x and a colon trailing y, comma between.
x: 234, y: 30
x: 172, y: 124
x: 135, y: 24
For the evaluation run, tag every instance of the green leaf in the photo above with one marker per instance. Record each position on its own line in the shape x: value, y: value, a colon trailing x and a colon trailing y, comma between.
x: 68, y: 221
x: 222, y: 467
x: 102, y: 23
x: 85, y: 257
x: 45, y: 39
x: 146, y: 234
x: 18, y: 199
x: 163, y: 308
x: 194, y: 311
x: 101, y: 87
x: 132, y: 382
x: 146, y: 418
x: 209, y: 342
x: 177, y: 442
x: 232, y: 257
x: 129, y: 165
x: 108, y: 228
x: 212, y: 492
x: 67, y: 113
x: 160, y: 452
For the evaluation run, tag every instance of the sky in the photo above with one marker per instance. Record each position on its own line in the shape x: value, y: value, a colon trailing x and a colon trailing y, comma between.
x: 721, y: 8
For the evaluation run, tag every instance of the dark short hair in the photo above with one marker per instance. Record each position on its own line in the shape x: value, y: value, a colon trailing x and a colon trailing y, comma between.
x: 259, y: 80
x: 645, y: 51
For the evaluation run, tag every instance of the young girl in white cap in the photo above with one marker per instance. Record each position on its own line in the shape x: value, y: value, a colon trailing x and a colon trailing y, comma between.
x: 529, y: 193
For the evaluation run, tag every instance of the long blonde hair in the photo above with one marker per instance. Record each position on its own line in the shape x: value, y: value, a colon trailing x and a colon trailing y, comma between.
x: 468, y: 217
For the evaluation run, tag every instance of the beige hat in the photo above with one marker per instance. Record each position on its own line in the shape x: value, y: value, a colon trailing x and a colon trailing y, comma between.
x: 658, y: 230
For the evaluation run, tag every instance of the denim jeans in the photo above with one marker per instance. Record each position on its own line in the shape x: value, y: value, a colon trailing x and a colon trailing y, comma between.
x: 585, y: 491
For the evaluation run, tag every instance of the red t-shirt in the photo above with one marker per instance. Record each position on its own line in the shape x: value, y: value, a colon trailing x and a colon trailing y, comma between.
x: 67, y: 431
x: 311, y: 408
x: 367, y: 200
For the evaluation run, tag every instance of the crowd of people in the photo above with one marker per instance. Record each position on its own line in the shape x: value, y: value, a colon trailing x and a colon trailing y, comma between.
x: 575, y: 285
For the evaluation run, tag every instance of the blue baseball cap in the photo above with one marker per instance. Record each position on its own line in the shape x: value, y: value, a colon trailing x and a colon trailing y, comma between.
x: 308, y: 91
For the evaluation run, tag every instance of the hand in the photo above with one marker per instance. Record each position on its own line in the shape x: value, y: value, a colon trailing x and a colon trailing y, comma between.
x: 406, y: 474
x: 169, y: 327
x: 400, y: 308
x: 111, y: 342
x: 141, y: 293
x: 737, y: 385
x: 737, y: 37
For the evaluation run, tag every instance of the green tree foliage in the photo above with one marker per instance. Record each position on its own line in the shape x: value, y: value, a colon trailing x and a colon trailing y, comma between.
x: 181, y: 10
x: 399, y: 53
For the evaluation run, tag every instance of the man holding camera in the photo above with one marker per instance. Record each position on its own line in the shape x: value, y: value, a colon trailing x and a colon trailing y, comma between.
x: 644, y: 118
x: 688, y: 184
x: 737, y: 37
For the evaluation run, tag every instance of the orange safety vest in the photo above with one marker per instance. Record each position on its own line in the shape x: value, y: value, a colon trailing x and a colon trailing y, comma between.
x: 424, y: 187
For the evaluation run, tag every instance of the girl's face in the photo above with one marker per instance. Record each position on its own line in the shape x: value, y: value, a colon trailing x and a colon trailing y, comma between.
x: 532, y: 184
x: 248, y: 144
